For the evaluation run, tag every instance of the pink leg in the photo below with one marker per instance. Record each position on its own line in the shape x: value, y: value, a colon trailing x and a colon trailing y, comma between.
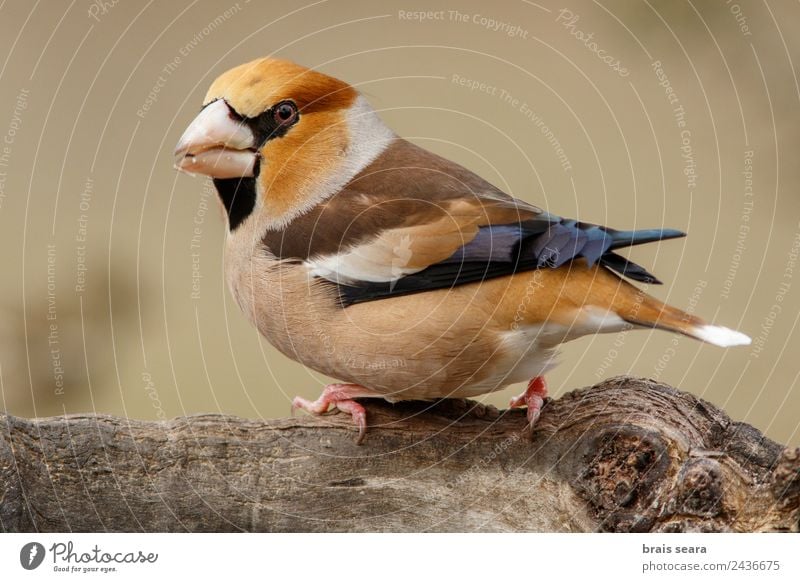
x: 340, y: 396
x: 533, y: 398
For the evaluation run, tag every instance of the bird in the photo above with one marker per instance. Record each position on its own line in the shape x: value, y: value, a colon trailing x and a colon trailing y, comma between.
x: 399, y: 273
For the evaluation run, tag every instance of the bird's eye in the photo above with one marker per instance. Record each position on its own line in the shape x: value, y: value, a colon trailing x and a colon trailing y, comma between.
x: 285, y: 113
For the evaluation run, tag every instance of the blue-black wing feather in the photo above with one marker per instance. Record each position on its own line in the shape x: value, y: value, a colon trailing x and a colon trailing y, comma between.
x: 500, y: 250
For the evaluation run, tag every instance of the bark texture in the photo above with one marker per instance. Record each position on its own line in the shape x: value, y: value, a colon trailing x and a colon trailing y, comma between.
x: 624, y: 455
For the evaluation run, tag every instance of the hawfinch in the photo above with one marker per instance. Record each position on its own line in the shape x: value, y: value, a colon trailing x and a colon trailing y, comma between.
x: 401, y: 273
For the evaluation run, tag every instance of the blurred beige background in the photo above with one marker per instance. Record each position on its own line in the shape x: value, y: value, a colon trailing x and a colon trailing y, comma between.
x: 691, y: 123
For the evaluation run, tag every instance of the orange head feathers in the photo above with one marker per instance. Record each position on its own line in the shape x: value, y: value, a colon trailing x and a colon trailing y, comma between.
x: 276, y: 136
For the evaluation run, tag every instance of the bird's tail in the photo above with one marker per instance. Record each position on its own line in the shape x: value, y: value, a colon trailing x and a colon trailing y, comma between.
x: 641, y: 309
x: 636, y: 307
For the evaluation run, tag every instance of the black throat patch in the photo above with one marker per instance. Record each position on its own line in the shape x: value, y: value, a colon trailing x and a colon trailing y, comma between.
x: 238, y: 195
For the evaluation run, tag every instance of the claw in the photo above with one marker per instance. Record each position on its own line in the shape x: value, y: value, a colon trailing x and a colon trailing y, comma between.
x: 340, y: 396
x: 359, y: 415
x: 533, y: 398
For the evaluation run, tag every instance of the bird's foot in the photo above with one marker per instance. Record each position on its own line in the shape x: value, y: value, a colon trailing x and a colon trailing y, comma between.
x: 339, y: 396
x: 533, y: 398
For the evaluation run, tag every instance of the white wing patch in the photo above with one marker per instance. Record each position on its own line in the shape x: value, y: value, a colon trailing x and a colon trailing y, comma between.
x: 395, y: 253
x: 373, y: 263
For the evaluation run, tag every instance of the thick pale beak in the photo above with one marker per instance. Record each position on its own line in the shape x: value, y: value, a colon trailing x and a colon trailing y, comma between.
x: 217, y: 144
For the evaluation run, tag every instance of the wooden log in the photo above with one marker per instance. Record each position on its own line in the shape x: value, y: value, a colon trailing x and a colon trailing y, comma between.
x: 624, y: 455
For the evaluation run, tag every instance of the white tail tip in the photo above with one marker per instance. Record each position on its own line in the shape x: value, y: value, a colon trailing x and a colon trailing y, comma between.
x: 721, y: 336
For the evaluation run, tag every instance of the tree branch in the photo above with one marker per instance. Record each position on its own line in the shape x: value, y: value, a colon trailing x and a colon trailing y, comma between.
x: 625, y: 455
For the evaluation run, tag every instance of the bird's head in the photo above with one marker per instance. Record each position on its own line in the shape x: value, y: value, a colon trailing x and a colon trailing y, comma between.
x: 278, y: 138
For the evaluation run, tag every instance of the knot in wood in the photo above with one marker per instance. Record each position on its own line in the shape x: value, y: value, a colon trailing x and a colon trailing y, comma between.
x: 700, y: 488
x: 625, y: 466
